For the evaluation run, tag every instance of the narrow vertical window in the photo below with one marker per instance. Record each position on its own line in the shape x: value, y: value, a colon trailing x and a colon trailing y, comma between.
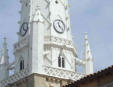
x: 21, y: 64
x: 63, y: 63
x: 59, y: 61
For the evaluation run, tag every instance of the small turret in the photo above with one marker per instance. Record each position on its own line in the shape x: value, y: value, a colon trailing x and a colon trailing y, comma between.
x: 4, y: 61
x: 88, y: 57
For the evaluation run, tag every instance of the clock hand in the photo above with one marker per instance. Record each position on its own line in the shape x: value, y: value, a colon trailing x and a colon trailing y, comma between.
x: 60, y: 25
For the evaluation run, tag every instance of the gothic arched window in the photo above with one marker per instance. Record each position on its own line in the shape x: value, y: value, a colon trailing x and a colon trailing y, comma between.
x: 21, y: 64
x: 61, y: 61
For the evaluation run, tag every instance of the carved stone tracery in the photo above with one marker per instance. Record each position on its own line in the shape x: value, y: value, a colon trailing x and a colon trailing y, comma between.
x: 15, y: 77
x: 62, y: 73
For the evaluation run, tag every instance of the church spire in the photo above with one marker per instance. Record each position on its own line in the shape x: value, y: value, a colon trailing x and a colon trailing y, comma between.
x: 87, y: 53
x: 88, y: 56
x: 4, y: 61
x: 4, y: 53
x: 5, y: 49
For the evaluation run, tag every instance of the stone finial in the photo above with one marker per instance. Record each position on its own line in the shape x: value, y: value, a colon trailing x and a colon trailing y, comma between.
x: 5, y: 49
x: 87, y: 52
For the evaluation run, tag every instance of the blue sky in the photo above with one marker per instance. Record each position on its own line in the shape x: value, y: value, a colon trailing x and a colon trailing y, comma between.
x: 92, y: 16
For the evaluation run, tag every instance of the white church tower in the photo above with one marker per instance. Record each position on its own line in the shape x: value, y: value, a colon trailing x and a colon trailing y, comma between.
x: 45, y: 40
x: 45, y: 44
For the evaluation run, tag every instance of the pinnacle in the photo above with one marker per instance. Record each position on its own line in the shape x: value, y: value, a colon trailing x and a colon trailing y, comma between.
x: 86, y: 36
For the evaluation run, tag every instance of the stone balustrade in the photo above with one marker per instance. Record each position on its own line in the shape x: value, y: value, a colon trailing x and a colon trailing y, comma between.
x: 14, y: 77
x: 62, y: 73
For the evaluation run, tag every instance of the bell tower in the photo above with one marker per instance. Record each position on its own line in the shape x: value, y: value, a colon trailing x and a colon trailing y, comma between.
x: 44, y: 37
x: 54, y: 12
x: 45, y: 44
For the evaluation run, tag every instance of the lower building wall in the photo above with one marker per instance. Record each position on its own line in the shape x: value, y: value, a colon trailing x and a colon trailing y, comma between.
x: 36, y: 80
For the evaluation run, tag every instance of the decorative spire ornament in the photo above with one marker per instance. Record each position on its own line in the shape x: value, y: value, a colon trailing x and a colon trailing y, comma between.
x: 4, y: 62
x: 88, y: 56
x: 4, y: 53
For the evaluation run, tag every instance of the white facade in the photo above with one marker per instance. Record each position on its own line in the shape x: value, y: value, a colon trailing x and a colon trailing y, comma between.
x: 45, y: 44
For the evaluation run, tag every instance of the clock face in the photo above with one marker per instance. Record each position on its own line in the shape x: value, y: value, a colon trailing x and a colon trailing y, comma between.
x: 59, y: 26
x: 24, y: 29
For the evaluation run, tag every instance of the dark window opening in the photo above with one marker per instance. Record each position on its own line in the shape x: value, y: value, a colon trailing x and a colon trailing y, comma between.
x: 21, y: 64
x: 56, y: 2
x: 61, y: 62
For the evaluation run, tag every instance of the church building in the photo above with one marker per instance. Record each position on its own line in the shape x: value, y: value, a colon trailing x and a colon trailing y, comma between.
x: 45, y: 54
